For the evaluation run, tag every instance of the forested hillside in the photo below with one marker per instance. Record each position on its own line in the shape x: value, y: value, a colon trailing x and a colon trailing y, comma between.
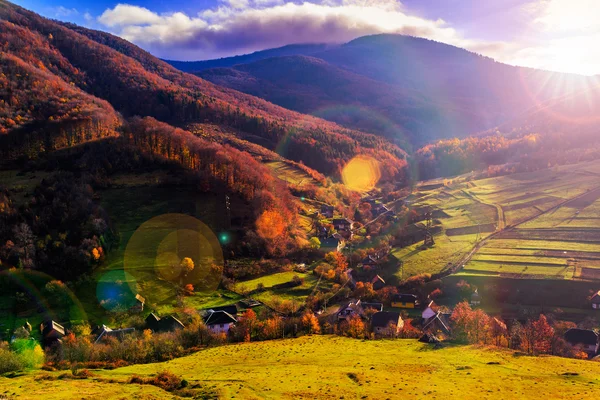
x: 136, y: 83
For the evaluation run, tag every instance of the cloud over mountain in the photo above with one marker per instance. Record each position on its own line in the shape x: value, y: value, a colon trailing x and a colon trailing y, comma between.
x: 241, y: 26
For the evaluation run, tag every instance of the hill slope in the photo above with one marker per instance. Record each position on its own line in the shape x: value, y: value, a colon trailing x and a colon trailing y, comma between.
x: 136, y: 83
x: 334, y: 367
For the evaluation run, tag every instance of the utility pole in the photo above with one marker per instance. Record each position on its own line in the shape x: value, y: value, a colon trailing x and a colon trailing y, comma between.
x: 428, y: 235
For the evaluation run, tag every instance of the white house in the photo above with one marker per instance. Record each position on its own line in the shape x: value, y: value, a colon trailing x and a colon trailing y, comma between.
x: 219, y: 321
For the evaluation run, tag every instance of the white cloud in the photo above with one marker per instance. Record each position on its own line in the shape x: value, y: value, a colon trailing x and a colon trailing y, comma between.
x: 568, y: 15
x: 62, y: 12
x: 240, y: 26
x: 128, y: 15
x: 556, y: 34
x: 88, y: 17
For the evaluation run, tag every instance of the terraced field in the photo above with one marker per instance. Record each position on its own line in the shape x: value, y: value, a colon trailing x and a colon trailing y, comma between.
x: 541, y: 225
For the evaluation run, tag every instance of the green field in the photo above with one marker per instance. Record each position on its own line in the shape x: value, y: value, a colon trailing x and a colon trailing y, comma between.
x: 537, y: 228
x: 270, y: 295
x: 327, y: 367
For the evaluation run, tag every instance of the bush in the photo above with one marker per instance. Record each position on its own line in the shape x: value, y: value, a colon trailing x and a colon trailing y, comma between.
x: 9, y: 361
x: 165, y: 380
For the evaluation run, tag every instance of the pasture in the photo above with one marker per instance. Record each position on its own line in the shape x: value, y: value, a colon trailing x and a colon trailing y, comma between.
x: 330, y: 367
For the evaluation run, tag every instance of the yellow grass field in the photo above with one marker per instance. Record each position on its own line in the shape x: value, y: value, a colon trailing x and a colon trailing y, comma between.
x: 328, y: 367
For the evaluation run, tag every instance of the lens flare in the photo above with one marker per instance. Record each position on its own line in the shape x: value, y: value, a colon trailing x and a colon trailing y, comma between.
x: 116, y: 291
x: 32, y: 282
x: 361, y: 174
x: 170, y: 251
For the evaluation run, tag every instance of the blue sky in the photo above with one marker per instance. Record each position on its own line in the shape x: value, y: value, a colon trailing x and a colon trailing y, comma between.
x: 558, y: 35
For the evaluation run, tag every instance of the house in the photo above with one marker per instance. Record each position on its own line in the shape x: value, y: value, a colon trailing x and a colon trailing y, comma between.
x: 231, y: 309
x: 438, y: 324
x: 332, y: 243
x: 498, y: 325
x: 219, y: 321
x: 386, y: 323
x: 596, y: 300
x: 405, y: 301
x: 342, y: 224
x: 300, y: 268
x: 585, y: 339
x: 349, y: 309
x: 52, y: 332
x: 372, y: 306
x: 475, y: 298
x: 327, y: 210
x: 369, y: 262
x: 104, y: 331
x: 377, y: 282
x: 430, y: 310
x: 250, y: 303
x: 138, y: 307
x: 165, y: 324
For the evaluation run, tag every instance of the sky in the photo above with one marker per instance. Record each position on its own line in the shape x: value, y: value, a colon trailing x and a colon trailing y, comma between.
x: 558, y: 35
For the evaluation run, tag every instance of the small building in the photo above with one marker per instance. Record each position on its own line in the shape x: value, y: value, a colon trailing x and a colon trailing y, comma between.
x: 349, y: 309
x: 369, y: 262
x: 332, y: 243
x: 343, y: 224
x: 51, y: 332
x: 405, y: 301
x: 585, y: 339
x: 165, y: 324
x: 138, y: 307
x: 327, y: 211
x: 249, y: 303
x: 377, y: 282
x: 104, y: 331
x: 438, y: 324
x: 386, y: 323
x: 475, y: 298
x: 300, y: 268
x: 219, y: 321
x: 596, y: 300
x: 430, y: 310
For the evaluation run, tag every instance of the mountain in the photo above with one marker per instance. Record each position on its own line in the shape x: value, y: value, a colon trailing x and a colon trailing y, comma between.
x: 313, y: 86
x: 403, y: 88
x: 133, y: 82
x: 289, y: 50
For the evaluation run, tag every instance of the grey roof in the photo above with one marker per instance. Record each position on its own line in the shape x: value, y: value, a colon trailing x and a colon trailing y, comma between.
x: 165, y: 324
x: 383, y: 318
x: 581, y: 336
x: 440, y: 319
x: 49, y: 326
x: 219, y: 317
x: 231, y: 309
x: 105, y: 331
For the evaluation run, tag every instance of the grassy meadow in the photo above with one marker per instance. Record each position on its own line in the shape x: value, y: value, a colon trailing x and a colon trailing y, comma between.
x: 335, y: 367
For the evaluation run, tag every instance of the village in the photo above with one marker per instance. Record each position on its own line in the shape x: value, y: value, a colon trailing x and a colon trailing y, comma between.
x: 361, y: 305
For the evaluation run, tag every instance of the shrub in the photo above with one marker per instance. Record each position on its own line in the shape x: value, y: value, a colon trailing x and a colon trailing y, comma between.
x: 165, y: 380
x: 9, y: 361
